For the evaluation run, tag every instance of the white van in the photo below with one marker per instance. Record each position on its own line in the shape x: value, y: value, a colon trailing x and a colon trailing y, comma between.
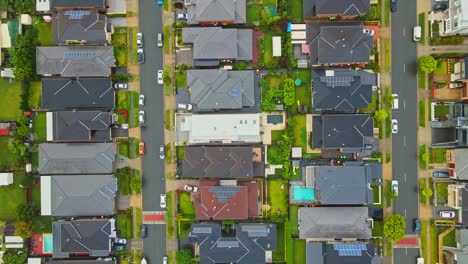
x: 395, y: 101
x: 417, y: 33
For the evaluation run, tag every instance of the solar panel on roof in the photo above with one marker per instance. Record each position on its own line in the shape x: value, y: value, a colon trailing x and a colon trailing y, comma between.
x: 235, y: 91
x: 349, y: 249
x: 76, y: 14
x: 223, y: 193
x: 79, y: 54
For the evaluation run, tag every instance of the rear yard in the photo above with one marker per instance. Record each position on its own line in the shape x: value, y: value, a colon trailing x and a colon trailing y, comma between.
x: 12, y: 196
x: 278, y: 198
x: 10, y: 91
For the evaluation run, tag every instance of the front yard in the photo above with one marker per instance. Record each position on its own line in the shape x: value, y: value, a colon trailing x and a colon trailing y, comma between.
x: 278, y: 198
x: 124, y: 103
x: 187, y: 209
x: 125, y: 223
x: 436, y: 155
x: 119, y: 42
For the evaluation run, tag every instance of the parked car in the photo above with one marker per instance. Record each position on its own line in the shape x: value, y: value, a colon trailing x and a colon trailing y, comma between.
x: 141, y: 99
x: 190, y: 188
x: 420, y: 260
x: 393, y: 5
x: 141, y: 148
x: 367, y: 31
x: 118, y: 247
x: 453, y: 85
x: 394, y: 126
x: 185, y: 107
x: 181, y: 16
x: 439, y: 7
x: 139, y: 39
x: 417, y: 226
x: 160, y: 2
x: 447, y: 214
x: 140, y: 56
x: 120, y: 85
x: 162, y: 200
x: 440, y: 174
x: 417, y: 33
x: 395, y: 186
x: 395, y: 102
x: 120, y: 240
x: 143, y: 261
x: 160, y: 40
x: 160, y: 77
x: 165, y: 260
x: 162, y: 154
x: 143, y: 231
x: 141, y: 117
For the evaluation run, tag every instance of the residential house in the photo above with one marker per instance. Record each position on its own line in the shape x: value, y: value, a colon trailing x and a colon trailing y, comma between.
x: 86, y: 261
x: 206, y: 12
x: 457, y: 198
x: 334, y: 223
x: 456, y: 159
x: 83, y: 237
x: 212, y: 44
x: 338, y: 43
x: 313, y: 10
x: 252, y: 243
x: 460, y: 75
x: 75, y: 61
x: 342, y: 90
x: 71, y: 94
x: 455, y: 18
x: 215, y: 90
x: 78, y: 195
x: 343, y: 253
x: 217, y: 128
x: 87, y: 27
x: 459, y: 253
x: 78, y: 126
x: 452, y: 131
x: 236, y: 162
x: 100, y: 5
x: 76, y: 158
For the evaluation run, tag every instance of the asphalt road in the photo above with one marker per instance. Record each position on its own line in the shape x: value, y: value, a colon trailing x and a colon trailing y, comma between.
x: 154, y: 246
x: 404, y: 83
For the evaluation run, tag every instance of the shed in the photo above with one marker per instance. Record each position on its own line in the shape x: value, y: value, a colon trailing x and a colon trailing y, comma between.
x: 296, y: 152
x: 25, y: 19
x: 6, y: 178
x: 276, y: 46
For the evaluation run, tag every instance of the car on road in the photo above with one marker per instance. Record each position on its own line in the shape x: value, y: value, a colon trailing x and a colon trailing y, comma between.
x: 395, y: 186
x: 439, y: 7
x: 120, y: 240
x: 394, y: 126
x: 417, y: 33
x: 139, y: 39
x: 417, y: 226
x: 420, y: 260
x: 160, y: 40
x: 185, y: 107
x: 121, y: 85
x: 181, y: 16
x: 447, y: 214
x: 367, y: 31
x: 143, y: 231
x: 141, y: 117
x: 160, y: 77
x: 140, y: 56
x: 141, y: 148
x: 162, y: 200
x: 165, y: 260
x: 141, y: 99
x: 162, y: 151
x: 160, y: 2
x: 118, y: 247
x: 393, y: 5
x: 395, y: 102
x: 440, y: 174
x: 143, y: 261
x: 190, y: 188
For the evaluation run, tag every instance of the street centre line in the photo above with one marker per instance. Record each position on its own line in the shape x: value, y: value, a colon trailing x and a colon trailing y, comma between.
x: 404, y: 31
x: 405, y: 176
x: 404, y: 104
x: 405, y: 212
x: 404, y: 141
x: 404, y: 67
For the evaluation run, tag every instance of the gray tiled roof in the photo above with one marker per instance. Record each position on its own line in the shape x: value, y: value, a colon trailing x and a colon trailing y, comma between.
x: 81, y: 126
x: 334, y: 223
x: 81, y: 195
x: 338, y: 43
x: 89, y: 27
x: 323, y: 253
x: 200, y: 11
x: 218, y: 89
x: 76, y: 158
x: 341, y: 131
x: 75, y: 61
x: 79, y: 4
x: 342, y: 90
x: 82, y: 237
x: 342, y: 7
x: 64, y: 93
x: 246, y: 247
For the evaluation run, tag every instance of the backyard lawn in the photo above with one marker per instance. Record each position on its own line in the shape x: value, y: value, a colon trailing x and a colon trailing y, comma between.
x: 273, y: 151
x: 186, y: 206
x: 13, y: 194
x: 295, y: 13
x: 268, y: 48
x: 278, y: 192
x: 299, y: 251
x: 293, y: 220
x: 39, y: 127
x: 36, y: 195
x: 303, y: 91
x: 42, y: 224
x: 300, y: 133
x: 44, y: 32
x: 9, y: 99
x: 8, y: 160
x: 35, y: 94
x: 278, y: 254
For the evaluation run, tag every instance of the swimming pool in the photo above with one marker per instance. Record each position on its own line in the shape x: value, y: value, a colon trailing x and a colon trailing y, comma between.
x: 47, y: 243
x: 303, y: 194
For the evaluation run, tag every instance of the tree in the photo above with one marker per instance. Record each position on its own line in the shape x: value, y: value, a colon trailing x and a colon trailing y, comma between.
x: 380, y: 115
x: 289, y: 92
x: 184, y: 257
x: 166, y: 76
x: 17, y: 147
x: 374, y: 66
x: 24, y: 229
x: 24, y: 212
x: 427, y: 64
x: 14, y: 258
x: 135, y: 184
x: 23, y: 120
x: 23, y: 131
x: 392, y: 195
x: 427, y: 192
x: 394, y: 227
x: 24, y: 58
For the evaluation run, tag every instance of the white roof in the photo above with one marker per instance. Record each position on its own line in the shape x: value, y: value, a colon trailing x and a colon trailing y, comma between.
x: 222, y: 127
x: 298, y: 26
x: 13, y: 239
x: 5, y: 41
x: 46, y: 201
x: 34, y: 260
x: 25, y: 19
x: 276, y: 46
x: 298, y: 35
x: 42, y: 5
x: 50, y: 126
x: 6, y: 178
x: 296, y: 152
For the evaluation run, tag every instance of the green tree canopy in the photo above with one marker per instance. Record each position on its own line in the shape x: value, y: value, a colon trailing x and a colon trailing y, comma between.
x: 13, y: 258
x: 184, y: 257
x: 381, y: 115
x: 25, y: 212
x: 427, y: 64
x: 394, y: 227
x: 427, y: 192
x: 24, y: 58
x: 24, y: 229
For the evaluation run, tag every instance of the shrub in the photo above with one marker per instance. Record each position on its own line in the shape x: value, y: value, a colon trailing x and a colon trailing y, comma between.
x: 289, y: 92
x: 452, y: 40
x: 427, y: 64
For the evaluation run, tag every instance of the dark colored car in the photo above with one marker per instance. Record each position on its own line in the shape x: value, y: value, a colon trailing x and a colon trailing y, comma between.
x: 144, y: 231
x: 440, y: 174
x: 417, y: 226
x: 439, y: 7
x: 393, y: 5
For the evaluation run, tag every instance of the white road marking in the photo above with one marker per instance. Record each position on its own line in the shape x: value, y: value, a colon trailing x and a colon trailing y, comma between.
x: 404, y: 104
x: 404, y: 67
x: 405, y: 176
x: 406, y: 249
x: 405, y: 212
x: 404, y: 31
x: 404, y: 141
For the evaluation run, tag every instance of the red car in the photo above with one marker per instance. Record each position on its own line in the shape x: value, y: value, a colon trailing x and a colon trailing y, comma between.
x: 141, y: 148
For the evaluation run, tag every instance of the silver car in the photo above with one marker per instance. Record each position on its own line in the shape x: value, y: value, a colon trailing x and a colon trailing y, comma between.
x: 160, y: 77
x: 162, y: 154
x: 141, y: 99
x: 139, y: 39
x: 394, y: 126
x: 141, y: 117
x: 160, y: 40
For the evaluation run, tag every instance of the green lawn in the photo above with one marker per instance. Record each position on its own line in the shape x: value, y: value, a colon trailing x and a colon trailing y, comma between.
x: 422, y: 186
x: 42, y: 224
x: 273, y: 151
x: 422, y: 152
x: 36, y: 195
x: 14, y: 195
x: 187, y: 209
x: 123, y: 103
x: 423, y: 238
x: 449, y: 239
x: 125, y: 223
x: 119, y: 42
x: 123, y: 149
x: 372, y: 107
x: 421, y: 80
x: 441, y: 67
x: 437, y: 155
x: 124, y: 175
x: 10, y: 92
x: 44, y: 32
x: 169, y: 227
x: 388, y: 189
x: 299, y: 251
x: 434, y: 243
x: 278, y: 254
x: 387, y: 12
x: 167, y: 36
x: 167, y: 119
x: 268, y: 48
x: 376, y: 193
x: 441, y: 111
x: 304, y: 90
x: 300, y: 133
x: 181, y: 80
x: 8, y: 160
x: 441, y: 190
x: 252, y: 13
x: 39, y: 127
x: 375, y: 12
x: 138, y: 219
x: 422, y: 23
x: 387, y: 55
x: 295, y: 13
x: 278, y: 193
x: 293, y: 220
x: 378, y: 229
x: 422, y: 113
x: 35, y: 94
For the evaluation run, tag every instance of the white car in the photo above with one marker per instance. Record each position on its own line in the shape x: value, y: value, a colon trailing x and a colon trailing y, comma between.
x: 160, y: 77
x: 119, y: 240
x: 369, y: 32
x: 181, y: 16
x: 394, y: 126
x: 185, y: 107
x: 139, y: 39
x: 141, y: 99
x: 395, y: 186
x: 120, y: 85
x: 447, y: 214
x: 141, y: 117
x: 162, y: 200
x: 190, y: 188
x: 160, y: 40
x: 162, y: 154
x: 395, y: 102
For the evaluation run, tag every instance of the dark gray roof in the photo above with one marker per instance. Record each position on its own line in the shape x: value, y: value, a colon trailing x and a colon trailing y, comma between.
x: 246, y: 247
x: 81, y: 126
x: 200, y: 11
x: 338, y: 43
x: 462, y: 74
x: 75, y: 61
x: 334, y: 223
x: 92, y: 261
x: 76, y: 158
x: 79, y: 25
x: 341, y: 131
x: 64, y: 93
x: 211, y: 44
x: 218, y: 89
x: 220, y: 162
x: 461, y: 168
x: 464, y: 210
x: 82, y: 237
x: 342, y: 90
x: 312, y: 8
x: 78, y: 4
x: 323, y: 253
x: 79, y: 195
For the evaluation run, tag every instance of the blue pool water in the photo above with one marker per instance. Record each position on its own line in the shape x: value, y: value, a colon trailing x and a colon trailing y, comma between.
x: 303, y: 194
x: 47, y: 243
